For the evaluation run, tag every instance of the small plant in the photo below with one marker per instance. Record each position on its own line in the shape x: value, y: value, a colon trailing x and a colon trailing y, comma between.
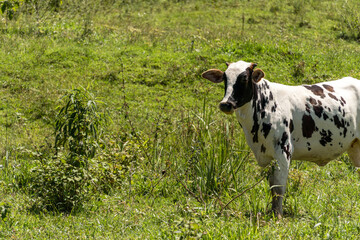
x: 4, y: 210
x: 79, y: 123
x: 299, y: 70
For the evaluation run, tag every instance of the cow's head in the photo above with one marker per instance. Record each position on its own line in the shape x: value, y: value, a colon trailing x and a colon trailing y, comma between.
x: 239, y: 79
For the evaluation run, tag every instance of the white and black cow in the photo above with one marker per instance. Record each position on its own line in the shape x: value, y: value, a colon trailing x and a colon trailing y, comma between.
x: 315, y: 123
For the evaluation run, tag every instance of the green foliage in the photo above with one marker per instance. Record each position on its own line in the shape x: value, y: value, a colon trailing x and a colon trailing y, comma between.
x: 105, y: 176
x: 79, y: 123
x: 58, y: 186
x: 5, y: 209
x: 9, y: 7
x: 349, y: 14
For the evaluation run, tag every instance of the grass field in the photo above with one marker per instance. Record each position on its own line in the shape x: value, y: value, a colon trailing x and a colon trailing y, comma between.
x: 167, y: 160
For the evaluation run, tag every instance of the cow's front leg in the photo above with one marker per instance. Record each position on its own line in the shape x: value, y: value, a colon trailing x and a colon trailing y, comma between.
x: 277, y: 180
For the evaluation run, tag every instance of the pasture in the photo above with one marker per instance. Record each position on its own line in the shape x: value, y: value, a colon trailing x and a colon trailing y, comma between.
x: 108, y: 131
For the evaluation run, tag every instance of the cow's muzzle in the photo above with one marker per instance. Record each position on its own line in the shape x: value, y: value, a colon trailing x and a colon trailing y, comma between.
x: 227, y: 107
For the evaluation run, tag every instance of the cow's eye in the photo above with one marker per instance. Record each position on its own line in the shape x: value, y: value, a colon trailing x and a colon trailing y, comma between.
x: 242, y: 77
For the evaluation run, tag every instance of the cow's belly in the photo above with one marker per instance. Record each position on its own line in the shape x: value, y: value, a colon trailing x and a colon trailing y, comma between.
x: 320, y: 158
x: 320, y: 154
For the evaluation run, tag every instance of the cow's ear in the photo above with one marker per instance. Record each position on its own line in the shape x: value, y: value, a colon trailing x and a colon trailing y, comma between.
x: 214, y: 75
x: 257, y: 75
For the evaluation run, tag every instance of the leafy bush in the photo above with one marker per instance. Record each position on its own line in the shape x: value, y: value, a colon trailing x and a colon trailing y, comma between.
x: 57, y: 185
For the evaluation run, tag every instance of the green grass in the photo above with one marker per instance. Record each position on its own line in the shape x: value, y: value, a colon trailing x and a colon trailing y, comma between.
x: 181, y: 160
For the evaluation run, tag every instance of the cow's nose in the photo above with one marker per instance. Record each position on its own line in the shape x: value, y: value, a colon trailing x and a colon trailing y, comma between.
x: 226, y: 107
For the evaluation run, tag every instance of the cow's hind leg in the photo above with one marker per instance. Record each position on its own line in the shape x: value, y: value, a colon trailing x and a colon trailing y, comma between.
x: 354, y: 152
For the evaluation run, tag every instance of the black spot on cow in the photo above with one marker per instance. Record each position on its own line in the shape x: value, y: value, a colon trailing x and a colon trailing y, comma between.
x: 266, y: 85
x: 318, y: 110
x: 340, y: 124
x: 271, y: 97
x: 273, y: 108
x: 319, y: 102
x: 325, y: 137
x: 308, y: 126
x: 308, y: 146
x: 337, y: 122
x: 333, y: 96
x: 307, y: 108
x: 266, y: 127
x: 291, y: 126
x: 325, y: 116
x: 328, y: 87
x: 255, y: 129
x: 285, y: 147
x: 312, y: 101
x: 315, y: 89
x: 262, y: 114
x: 342, y: 100
x: 285, y: 121
x: 256, y: 107
x: 264, y: 100
x: 263, y: 148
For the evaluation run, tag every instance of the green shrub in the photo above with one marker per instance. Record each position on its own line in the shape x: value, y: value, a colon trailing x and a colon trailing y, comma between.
x: 57, y: 185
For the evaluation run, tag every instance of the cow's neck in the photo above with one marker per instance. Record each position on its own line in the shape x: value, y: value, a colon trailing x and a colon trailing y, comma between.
x: 244, y: 115
x: 252, y: 113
